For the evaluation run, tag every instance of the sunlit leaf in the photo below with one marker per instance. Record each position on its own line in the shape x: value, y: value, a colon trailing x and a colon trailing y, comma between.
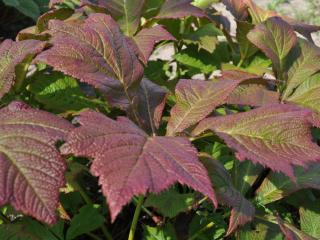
x: 275, y: 38
x: 179, y: 9
x: 129, y: 162
x: 97, y: 53
x: 148, y: 37
x: 196, y: 99
x: 306, y: 63
x: 32, y: 170
x: 276, y: 136
x: 14, y: 53
x: 276, y: 186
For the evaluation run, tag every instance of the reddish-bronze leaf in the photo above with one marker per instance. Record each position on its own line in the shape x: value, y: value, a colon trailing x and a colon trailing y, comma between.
x: 148, y: 37
x: 238, y: 8
x: 275, y: 38
x: 151, y: 99
x: 242, y: 210
x: 179, y: 9
x: 196, y: 99
x: 31, y: 168
x: 129, y: 162
x: 253, y: 95
x: 97, y: 53
x: 238, y: 75
x: 11, y: 54
x: 276, y: 136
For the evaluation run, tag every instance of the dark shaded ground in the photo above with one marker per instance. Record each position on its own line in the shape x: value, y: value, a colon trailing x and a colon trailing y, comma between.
x: 11, y: 22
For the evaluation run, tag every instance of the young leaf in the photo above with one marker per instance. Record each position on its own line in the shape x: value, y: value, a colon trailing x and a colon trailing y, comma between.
x: 96, y: 53
x: 11, y: 54
x: 276, y: 136
x: 206, y: 37
x: 242, y: 210
x: 151, y: 100
x: 276, y: 186
x: 129, y: 163
x: 87, y: 220
x: 238, y: 8
x: 306, y: 64
x: 196, y: 99
x: 170, y: 203
x: 179, y: 9
x: 307, y: 94
x: 247, y: 49
x: 148, y: 37
x: 275, y: 38
x: 32, y: 170
x: 166, y: 232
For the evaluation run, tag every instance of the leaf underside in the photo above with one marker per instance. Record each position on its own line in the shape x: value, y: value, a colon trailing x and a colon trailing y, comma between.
x: 129, y: 163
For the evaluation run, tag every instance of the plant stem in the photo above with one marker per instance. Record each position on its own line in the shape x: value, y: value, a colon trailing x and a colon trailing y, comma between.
x: 207, y: 227
x: 88, y: 200
x: 4, y: 218
x: 240, y: 62
x: 95, y: 237
x: 136, y: 217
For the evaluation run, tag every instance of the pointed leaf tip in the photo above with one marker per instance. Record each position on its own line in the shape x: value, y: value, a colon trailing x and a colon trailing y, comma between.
x: 29, y: 160
x: 276, y: 136
x: 129, y: 163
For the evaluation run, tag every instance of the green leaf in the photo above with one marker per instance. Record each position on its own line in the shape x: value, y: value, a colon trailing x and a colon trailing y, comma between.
x: 260, y: 230
x: 204, y: 37
x: 307, y: 94
x: 29, y: 8
x: 160, y: 233
x: 276, y: 185
x: 196, y: 62
x: 27, y: 229
x: 60, y: 93
x: 247, y: 49
x: 275, y: 38
x: 87, y: 220
x: 170, y: 203
x: 310, y: 219
x: 306, y: 62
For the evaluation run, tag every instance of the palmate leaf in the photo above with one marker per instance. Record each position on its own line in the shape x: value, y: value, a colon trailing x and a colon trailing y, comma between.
x: 242, y: 210
x: 97, y: 53
x: 129, y: 163
x: 196, y: 99
x: 173, y: 9
x: 14, y: 53
x: 275, y: 38
x: 306, y: 63
x: 277, y: 136
x: 148, y: 37
x: 31, y: 168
